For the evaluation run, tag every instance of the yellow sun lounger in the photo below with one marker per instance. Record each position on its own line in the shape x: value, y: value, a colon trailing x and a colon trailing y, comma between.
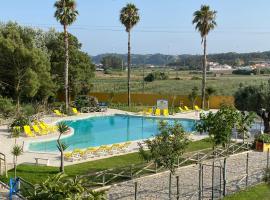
x: 157, y: 112
x: 197, y: 108
x: 165, y: 112
x: 38, y: 131
x: 181, y: 109
x: 52, y: 128
x: 58, y: 113
x: 75, y: 111
x: 148, y: 112
x: 28, y: 132
x: 186, y: 108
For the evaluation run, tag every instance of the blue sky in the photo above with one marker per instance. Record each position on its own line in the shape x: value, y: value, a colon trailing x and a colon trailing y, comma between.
x: 165, y: 26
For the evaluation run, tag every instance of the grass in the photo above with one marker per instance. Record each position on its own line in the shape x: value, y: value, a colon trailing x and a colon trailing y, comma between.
x: 259, y: 192
x: 36, y: 174
x: 224, y: 84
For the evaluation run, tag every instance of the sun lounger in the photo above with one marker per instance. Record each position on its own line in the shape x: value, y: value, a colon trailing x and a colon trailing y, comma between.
x: 58, y: 113
x: 38, y: 131
x: 186, y: 108
x: 165, y: 112
x: 157, y: 112
x: 197, y: 108
x: 75, y: 111
x: 181, y: 109
x: 28, y: 132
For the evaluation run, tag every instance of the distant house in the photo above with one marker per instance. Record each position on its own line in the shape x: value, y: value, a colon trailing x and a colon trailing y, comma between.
x: 214, y: 66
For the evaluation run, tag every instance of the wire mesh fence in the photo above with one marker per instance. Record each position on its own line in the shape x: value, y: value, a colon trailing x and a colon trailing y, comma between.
x: 211, y: 179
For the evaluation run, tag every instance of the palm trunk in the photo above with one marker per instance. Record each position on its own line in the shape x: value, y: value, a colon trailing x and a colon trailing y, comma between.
x: 61, y: 169
x: 129, y: 62
x: 204, y: 73
x: 15, y: 167
x: 66, y: 68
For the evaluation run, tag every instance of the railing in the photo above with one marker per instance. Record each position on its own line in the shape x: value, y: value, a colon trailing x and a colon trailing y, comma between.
x: 115, y: 175
x: 3, y: 164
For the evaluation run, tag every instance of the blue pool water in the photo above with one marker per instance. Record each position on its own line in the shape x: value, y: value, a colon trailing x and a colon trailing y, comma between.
x: 105, y: 130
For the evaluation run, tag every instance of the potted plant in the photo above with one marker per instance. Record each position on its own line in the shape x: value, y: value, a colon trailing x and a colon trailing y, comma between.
x: 262, y: 142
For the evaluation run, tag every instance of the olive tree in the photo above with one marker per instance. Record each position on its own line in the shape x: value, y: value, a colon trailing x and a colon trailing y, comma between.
x: 167, y: 147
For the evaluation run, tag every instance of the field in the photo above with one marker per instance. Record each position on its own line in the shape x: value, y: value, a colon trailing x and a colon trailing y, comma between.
x: 179, y: 82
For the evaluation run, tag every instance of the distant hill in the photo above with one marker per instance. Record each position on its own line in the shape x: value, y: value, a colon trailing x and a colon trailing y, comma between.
x: 191, y: 61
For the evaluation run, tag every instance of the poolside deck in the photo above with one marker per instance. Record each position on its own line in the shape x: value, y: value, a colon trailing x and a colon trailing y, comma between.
x: 29, y: 157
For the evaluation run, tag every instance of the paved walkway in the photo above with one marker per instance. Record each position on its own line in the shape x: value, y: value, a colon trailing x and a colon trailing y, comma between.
x: 156, y: 186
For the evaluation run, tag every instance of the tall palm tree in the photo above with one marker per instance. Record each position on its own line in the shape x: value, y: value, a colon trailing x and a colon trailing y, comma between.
x: 62, y: 128
x: 204, y: 20
x: 66, y: 14
x: 16, y: 151
x: 129, y: 17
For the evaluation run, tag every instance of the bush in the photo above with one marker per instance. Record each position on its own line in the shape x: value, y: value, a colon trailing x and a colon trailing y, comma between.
x: 107, y: 71
x: 28, y: 110
x: 263, y: 138
x: 149, y: 78
x: 156, y: 76
x: 243, y: 72
x: 20, y: 121
x: 7, y: 108
x: 196, y: 78
x: 85, y: 101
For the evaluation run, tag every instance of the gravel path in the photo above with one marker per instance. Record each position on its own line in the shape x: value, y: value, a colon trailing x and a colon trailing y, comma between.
x: 156, y: 186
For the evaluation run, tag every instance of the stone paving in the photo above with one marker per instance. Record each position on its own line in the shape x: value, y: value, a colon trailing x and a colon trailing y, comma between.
x: 156, y: 186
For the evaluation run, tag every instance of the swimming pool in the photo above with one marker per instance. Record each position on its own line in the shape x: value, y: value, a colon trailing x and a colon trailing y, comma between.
x: 96, y: 131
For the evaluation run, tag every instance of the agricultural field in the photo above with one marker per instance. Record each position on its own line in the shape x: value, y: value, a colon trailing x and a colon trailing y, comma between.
x: 178, y: 83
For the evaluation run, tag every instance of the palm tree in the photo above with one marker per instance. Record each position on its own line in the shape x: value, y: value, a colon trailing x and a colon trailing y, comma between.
x: 209, y: 91
x: 129, y: 17
x: 66, y: 14
x: 16, y: 151
x: 204, y: 20
x: 62, y: 128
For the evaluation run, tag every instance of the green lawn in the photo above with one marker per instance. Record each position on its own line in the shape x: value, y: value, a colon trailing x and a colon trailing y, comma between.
x: 259, y: 192
x: 35, y: 174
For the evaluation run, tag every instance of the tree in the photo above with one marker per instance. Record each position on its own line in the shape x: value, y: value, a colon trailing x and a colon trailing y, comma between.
x: 16, y: 151
x: 24, y: 68
x: 81, y: 67
x: 167, y: 147
x: 112, y: 61
x: 60, y: 186
x: 193, y: 96
x: 244, y: 123
x: 62, y: 128
x: 209, y: 91
x: 129, y: 17
x: 219, y: 125
x: 66, y: 14
x: 256, y: 99
x: 204, y: 20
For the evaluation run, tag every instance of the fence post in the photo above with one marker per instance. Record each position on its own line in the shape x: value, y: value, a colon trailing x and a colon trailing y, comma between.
x: 267, y: 164
x: 170, y: 185
x: 224, y: 176
x: 200, y: 181
x: 131, y: 173
x: 103, y: 178
x: 213, y: 180
x: 136, y: 190
x: 177, y: 188
x: 247, y: 169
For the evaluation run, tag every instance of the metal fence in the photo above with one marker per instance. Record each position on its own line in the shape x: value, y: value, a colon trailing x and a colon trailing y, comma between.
x: 210, y: 179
